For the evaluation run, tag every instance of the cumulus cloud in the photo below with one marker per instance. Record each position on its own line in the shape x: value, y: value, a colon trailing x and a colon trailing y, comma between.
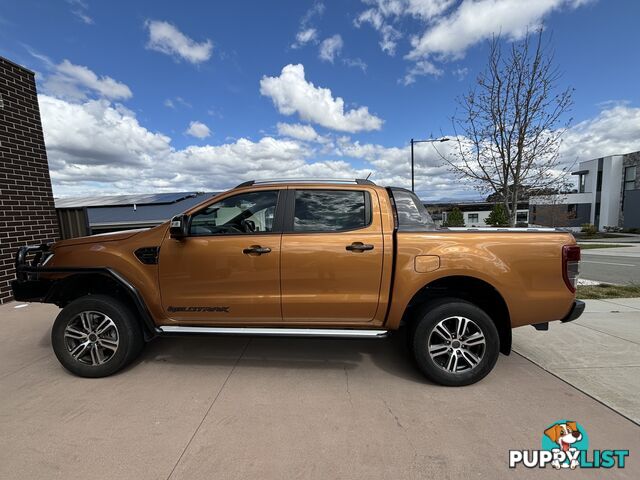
x: 298, y: 131
x: 475, y: 21
x: 291, y: 93
x: 198, y: 130
x: 98, y: 146
x: 76, y: 82
x: 166, y: 38
x: 615, y: 130
x: 330, y: 48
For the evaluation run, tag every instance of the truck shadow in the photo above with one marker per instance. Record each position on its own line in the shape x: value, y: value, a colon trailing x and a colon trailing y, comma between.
x: 389, y: 354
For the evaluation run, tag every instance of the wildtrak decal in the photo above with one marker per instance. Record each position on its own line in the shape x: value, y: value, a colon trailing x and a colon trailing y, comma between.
x: 198, y: 309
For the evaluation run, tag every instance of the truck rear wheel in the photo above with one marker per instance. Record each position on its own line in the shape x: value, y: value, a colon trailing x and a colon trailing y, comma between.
x: 95, y: 336
x: 454, y: 342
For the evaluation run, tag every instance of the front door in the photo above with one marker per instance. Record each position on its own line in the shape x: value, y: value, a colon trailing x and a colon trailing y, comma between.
x: 227, y: 270
x: 332, y: 252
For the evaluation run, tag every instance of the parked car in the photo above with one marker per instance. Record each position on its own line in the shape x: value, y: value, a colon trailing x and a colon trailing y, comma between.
x: 331, y: 259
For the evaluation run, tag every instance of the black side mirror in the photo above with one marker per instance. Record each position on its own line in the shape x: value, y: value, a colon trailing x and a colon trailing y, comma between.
x: 179, y: 227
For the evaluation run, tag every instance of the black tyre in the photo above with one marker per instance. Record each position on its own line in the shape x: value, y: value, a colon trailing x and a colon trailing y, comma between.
x: 95, y: 336
x: 454, y: 342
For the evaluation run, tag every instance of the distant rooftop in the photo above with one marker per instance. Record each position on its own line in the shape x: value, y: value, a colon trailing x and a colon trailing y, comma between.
x: 130, y: 211
x: 120, y: 200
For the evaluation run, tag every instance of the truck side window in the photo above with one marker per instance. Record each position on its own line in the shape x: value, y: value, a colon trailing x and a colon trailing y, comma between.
x: 412, y: 215
x: 330, y: 210
x: 245, y: 213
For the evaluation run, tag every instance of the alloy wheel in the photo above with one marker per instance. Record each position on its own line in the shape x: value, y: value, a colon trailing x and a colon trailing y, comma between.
x: 91, y: 338
x: 456, y: 344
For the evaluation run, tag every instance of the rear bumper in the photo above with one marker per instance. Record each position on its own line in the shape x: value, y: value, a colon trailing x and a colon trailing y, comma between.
x: 575, y: 312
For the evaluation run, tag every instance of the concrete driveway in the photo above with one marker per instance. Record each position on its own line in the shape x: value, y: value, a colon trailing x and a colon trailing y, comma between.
x: 263, y: 408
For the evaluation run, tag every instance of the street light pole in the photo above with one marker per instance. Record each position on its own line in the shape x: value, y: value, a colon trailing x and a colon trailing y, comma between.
x: 412, y: 176
x: 431, y: 140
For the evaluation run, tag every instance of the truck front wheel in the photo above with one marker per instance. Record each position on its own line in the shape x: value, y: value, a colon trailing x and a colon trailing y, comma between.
x: 95, y: 336
x: 454, y: 342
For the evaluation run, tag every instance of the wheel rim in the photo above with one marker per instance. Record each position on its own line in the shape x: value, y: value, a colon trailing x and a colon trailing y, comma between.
x: 456, y: 344
x: 91, y: 338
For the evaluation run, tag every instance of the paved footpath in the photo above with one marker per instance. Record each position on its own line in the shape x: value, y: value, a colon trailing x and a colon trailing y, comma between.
x: 276, y: 408
x: 599, y: 353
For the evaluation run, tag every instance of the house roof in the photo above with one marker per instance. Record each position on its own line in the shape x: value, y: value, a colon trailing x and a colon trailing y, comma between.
x: 143, y: 210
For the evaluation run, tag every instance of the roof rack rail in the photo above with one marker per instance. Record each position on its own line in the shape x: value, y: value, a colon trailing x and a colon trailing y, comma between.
x: 357, y: 181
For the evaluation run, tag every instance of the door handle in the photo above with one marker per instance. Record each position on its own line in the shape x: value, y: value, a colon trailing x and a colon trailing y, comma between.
x: 359, y: 247
x: 256, y: 249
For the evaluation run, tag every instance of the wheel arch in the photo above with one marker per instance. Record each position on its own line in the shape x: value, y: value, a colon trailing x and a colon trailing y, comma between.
x: 471, y: 289
x: 102, y: 282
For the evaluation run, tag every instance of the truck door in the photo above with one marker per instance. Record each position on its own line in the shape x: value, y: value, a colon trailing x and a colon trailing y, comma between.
x: 227, y: 270
x: 332, y: 252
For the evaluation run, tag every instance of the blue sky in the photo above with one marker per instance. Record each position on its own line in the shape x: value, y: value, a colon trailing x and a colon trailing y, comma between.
x: 160, y: 96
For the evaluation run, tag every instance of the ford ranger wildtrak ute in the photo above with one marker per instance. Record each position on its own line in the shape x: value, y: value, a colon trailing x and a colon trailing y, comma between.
x: 314, y: 258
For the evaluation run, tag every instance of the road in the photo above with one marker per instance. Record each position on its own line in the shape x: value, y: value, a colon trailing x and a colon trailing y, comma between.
x: 610, y: 268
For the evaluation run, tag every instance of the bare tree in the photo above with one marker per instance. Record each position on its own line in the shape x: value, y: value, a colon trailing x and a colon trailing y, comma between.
x: 509, y: 125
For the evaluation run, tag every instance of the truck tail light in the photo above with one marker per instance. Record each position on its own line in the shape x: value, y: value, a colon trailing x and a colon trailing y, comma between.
x: 571, y: 266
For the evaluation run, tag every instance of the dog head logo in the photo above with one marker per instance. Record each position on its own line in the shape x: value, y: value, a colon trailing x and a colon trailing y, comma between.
x: 567, y: 437
x: 564, y: 434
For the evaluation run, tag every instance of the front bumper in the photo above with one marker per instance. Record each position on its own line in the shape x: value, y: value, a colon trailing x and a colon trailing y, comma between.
x: 575, y: 312
x: 28, y: 286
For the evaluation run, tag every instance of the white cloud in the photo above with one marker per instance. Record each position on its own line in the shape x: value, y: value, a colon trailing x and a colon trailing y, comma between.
x: 198, y: 130
x: 291, y: 93
x: 81, y: 10
x: 421, y: 69
x: 76, y: 81
x: 307, y: 33
x: 355, y: 63
x: 615, y: 130
x: 305, y: 36
x: 176, y: 102
x: 475, y: 21
x: 166, y: 38
x: 330, y: 48
x: 96, y: 146
x: 298, y: 131
x: 384, y: 14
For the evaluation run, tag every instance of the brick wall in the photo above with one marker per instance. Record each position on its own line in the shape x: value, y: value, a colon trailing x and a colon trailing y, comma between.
x: 27, y: 212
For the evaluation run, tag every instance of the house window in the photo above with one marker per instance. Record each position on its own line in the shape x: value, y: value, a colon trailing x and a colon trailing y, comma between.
x: 522, y: 217
x: 572, y: 211
x: 582, y: 182
x: 472, y: 218
x: 630, y: 178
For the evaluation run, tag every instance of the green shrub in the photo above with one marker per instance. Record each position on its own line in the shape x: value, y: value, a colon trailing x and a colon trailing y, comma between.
x: 498, y: 216
x: 589, y: 228
x: 455, y: 218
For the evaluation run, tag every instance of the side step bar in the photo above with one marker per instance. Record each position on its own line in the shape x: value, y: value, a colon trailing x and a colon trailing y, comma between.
x: 277, y: 332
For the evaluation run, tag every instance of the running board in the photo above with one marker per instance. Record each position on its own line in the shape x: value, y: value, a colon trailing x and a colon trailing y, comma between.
x: 278, y: 332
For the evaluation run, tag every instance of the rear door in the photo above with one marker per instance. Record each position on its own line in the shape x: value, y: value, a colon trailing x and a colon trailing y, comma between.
x: 332, y: 253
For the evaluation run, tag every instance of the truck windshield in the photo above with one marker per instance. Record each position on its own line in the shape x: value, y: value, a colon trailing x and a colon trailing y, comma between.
x: 411, y: 213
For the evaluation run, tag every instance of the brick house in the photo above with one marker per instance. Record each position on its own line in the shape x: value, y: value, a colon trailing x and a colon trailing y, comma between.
x: 27, y: 213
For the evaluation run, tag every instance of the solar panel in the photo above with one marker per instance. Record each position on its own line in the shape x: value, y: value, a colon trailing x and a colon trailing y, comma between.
x: 116, y: 200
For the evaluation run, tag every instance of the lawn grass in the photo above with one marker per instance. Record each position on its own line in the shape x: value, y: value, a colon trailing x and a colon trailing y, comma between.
x: 604, y: 290
x: 589, y: 246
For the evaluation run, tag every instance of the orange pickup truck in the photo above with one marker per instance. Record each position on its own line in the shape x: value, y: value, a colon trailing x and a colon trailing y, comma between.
x: 304, y: 258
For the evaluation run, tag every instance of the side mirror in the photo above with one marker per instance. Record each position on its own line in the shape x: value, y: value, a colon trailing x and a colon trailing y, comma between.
x: 179, y: 227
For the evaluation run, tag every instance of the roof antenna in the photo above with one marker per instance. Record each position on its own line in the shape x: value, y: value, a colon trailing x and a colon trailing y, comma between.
x: 368, y: 176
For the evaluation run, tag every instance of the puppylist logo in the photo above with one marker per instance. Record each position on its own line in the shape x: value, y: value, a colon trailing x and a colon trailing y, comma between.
x: 565, y: 444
